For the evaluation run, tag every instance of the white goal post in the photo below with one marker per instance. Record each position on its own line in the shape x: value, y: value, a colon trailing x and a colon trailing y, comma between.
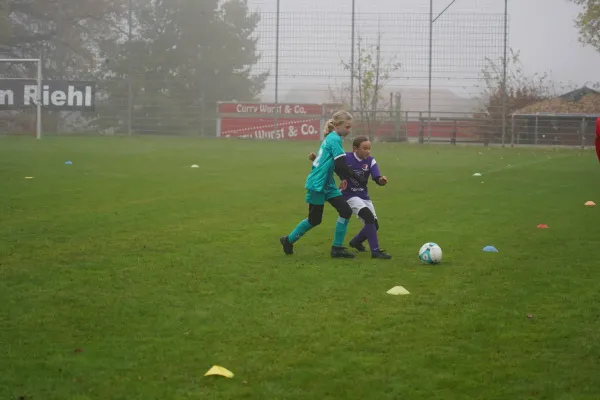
x: 38, y: 62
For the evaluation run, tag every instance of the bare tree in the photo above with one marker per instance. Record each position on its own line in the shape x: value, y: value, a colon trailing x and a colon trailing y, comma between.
x: 522, y: 90
x: 372, y: 73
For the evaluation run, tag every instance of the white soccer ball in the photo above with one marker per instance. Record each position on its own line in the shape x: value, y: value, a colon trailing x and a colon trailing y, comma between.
x: 430, y: 253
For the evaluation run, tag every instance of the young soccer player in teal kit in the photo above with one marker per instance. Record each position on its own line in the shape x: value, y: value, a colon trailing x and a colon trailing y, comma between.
x: 321, y: 187
x: 357, y: 195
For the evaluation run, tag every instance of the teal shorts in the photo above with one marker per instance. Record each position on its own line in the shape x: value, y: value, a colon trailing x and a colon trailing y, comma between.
x: 319, y: 198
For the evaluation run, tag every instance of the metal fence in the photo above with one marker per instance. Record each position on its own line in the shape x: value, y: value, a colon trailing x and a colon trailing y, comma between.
x: 438, y: 81
x: 441, y: 58
x: 304, y: 54
x: 553, y: 129
x: 476, y: 128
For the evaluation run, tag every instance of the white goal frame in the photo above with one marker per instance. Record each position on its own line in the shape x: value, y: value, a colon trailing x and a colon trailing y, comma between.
x: 38, y: 62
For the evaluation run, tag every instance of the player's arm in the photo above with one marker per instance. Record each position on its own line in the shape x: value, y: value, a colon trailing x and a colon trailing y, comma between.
x: 345, y: 172
x: 376, y: 175
x: 340, y: 167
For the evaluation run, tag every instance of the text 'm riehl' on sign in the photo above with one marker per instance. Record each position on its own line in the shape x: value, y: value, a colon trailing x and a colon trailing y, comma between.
x: 56, y: 95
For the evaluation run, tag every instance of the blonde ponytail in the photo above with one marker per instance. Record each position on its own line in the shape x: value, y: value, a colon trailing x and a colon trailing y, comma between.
x: 329, y: 127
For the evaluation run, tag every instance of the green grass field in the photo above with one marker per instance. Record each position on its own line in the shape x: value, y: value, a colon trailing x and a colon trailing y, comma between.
x: 128, y: 274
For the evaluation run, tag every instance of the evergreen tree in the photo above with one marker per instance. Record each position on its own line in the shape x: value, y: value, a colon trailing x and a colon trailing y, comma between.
x: 185, y: 55
x: 63, y: 33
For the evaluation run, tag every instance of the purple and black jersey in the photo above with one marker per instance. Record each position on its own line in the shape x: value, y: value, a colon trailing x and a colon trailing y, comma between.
x: 366, y: 168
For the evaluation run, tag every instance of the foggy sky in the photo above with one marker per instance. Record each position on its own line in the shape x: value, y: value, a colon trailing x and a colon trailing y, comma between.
x: 542, y: 30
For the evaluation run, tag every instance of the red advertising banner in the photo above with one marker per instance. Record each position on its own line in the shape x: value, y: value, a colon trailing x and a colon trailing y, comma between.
x: 264, y: 128
x: 270, y: 109
x: 303, y: 122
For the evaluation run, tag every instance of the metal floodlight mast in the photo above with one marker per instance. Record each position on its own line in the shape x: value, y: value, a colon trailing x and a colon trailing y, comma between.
x: 38, y: 62
x: 352, y: 57
x: 276, y: 111
x: 505, y: 66
x: 129, y: 70
x: 431, y: 22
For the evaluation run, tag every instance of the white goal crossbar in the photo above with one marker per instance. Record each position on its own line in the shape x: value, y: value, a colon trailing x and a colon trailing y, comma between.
x: 38, y: 62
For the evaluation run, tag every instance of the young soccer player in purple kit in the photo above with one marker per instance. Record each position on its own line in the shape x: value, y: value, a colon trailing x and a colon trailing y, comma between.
x: 357, y: 195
